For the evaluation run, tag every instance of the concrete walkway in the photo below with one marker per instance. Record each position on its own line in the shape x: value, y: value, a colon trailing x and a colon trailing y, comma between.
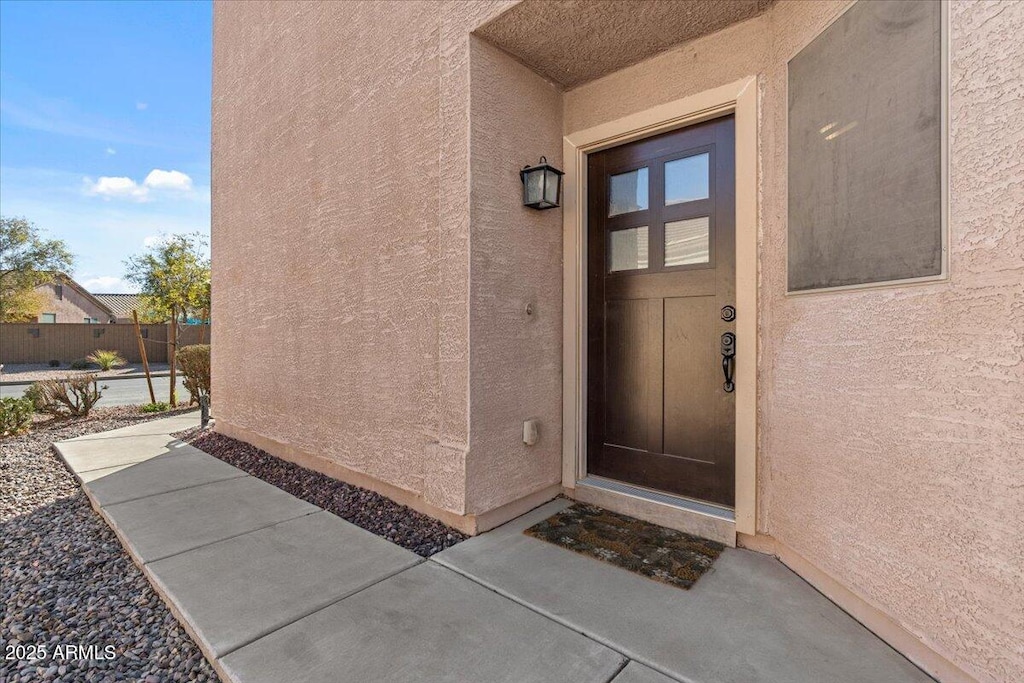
x: 273, y: 588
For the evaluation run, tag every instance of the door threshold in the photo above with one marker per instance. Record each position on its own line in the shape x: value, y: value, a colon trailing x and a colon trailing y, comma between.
x: 674, y: 512
x: 660, y: 497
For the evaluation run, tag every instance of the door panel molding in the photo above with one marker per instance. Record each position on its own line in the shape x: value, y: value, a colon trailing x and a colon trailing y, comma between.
x: 740, y: 99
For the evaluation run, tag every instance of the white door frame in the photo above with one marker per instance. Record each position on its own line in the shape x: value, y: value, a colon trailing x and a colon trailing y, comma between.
x: 740, y: 99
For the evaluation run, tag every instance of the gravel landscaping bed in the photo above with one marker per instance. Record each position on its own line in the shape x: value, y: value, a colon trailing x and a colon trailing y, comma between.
x: 376, y: 513
x: 66, y: 585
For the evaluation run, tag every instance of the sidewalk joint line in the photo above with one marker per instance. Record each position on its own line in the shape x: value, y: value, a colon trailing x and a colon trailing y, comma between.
x: 419, y: 561
x: 615, y: 675
x: 630, y: 656
x: 182, y: 488
x: 228, y: 538
x: 94, y: 437
x: 55, y: 448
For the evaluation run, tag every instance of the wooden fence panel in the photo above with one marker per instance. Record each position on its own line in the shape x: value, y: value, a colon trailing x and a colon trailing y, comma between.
x: 41, y: 343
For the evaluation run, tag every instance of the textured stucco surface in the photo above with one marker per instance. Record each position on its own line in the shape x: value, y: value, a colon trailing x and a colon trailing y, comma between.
x: 891, y: 434
x: 575, y: 41
x: 516, y: 261
x: 340, y: 233
x: 372, y: 266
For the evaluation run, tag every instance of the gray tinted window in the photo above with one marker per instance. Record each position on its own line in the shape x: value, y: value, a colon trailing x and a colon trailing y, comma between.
x: 865, y: 114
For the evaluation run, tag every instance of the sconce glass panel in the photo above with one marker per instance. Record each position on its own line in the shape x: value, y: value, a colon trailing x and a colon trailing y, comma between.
x: 551, y: 186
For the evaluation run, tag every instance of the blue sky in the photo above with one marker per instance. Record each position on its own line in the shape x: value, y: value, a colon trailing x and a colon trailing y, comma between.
x: 105, y: 125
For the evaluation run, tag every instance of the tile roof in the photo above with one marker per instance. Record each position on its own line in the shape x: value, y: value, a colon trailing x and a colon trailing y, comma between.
x: 120, y: 305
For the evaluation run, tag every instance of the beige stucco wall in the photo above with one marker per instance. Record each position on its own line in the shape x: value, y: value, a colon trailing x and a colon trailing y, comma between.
x: 72, y: 307
x: 342, y: 224
x: 366, y: 220
x: 516, y: 117
x: 891, y: 431
x: 326, y: 242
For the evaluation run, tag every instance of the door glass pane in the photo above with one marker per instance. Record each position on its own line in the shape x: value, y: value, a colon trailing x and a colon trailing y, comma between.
x: 628, y: 249
x: 687, y: 242
x: 628, y: 192
x: 686, y: 179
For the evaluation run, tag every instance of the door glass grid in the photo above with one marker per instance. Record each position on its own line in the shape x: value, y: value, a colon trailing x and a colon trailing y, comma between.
x: 628, y: 192
x: 628, y: 249
x: 687, y: 179
x: 687, y: 242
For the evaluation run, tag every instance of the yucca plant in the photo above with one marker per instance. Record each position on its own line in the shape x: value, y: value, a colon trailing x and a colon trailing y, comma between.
x: 106, y: 360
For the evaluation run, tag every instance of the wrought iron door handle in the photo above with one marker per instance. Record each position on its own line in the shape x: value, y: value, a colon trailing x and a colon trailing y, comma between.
x: 728, y: 360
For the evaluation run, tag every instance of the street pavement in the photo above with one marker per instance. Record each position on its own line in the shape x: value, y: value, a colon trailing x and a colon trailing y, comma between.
x: 119, y: 392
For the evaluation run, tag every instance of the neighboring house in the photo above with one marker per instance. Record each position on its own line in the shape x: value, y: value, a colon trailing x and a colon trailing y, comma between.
x: 66, y: 301
x: 120, y: 305
x: 780, y: 303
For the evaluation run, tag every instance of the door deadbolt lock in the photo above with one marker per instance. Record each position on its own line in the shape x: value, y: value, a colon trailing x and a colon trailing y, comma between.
x: 729, y: 344
x: 728, y: 313
x: 728, y: 360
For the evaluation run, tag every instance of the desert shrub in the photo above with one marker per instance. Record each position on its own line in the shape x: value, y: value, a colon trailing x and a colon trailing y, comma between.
x: 54, y: 363
x: 15, y: 415
x: 73, y: 395
x: 80, y: 364
x: 34, y: 395
x: 194, y: 362
x: 106, y: 360
x: 158, y: 407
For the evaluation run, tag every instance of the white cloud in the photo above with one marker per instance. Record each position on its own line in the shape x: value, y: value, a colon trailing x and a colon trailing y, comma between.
x: 168, y: 180
x: 122, y: 187
x: 108, y: 284
x: 117, y: 187
x: 153, y: 241
x: 100, y: 233
x: 141, y: 106
x: 111, y: 151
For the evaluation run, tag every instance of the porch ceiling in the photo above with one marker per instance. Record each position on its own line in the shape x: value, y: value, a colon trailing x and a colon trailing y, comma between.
x: 572, y: 42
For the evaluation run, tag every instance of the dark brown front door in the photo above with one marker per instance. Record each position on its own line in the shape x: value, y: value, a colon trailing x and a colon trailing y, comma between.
x: 661, y: 274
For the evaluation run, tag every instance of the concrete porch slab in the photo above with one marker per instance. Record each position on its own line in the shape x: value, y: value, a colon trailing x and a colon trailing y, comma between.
x: 749, y: 619
x: 424, y: 625
x: 183, y: 467
x: 170, y: 523
x: 276, y: 576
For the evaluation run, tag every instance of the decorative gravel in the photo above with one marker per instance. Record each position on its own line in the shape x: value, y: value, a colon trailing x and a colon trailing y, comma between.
x: 67, y: 586
x: 376, y: 513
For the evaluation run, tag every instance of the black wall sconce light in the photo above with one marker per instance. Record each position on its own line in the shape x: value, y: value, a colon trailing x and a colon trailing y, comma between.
x: 542, y: 186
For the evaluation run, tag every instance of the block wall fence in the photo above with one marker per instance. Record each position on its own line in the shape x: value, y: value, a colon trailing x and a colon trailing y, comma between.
x: 41, y: 343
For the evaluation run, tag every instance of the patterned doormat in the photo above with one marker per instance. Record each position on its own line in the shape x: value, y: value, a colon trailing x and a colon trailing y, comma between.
x: 665, y: 555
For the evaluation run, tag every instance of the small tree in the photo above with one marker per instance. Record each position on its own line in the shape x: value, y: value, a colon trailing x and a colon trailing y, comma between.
x: 27, y: 260
x: 195, y: 366
x: 172, y: 277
